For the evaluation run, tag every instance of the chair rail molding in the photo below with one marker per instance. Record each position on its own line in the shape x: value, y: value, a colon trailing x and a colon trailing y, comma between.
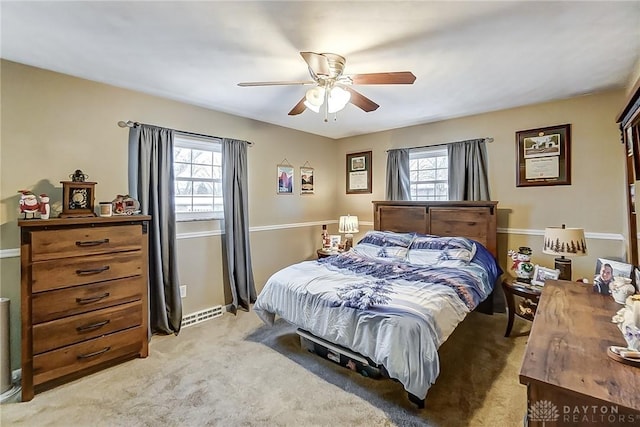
x: 15, y: 252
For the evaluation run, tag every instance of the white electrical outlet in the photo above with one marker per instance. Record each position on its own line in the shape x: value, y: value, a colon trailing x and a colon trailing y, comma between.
x: 183, y: 291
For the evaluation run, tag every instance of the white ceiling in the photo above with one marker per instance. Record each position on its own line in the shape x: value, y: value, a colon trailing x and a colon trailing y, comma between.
x: 468, y: 57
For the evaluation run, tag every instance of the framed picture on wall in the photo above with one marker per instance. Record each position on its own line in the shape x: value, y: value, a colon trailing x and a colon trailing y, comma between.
x: 285, y: 179
x: 359, y: 173
x: 306, y: 180
x: 543, y: 156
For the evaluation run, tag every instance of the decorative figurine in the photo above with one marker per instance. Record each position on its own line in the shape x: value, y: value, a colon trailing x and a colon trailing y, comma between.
x: 621, y: 288
x: 28, y: 204
x: 78, y: 176
x: 522, y: 263
x: 123, y: 204
x: 628, y: 321
x: 45, y: 208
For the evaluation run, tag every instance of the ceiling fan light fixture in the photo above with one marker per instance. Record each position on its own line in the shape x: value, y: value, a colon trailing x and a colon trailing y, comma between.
x: 338, y: 99
x: 315, y: 96
x: 310, y: 106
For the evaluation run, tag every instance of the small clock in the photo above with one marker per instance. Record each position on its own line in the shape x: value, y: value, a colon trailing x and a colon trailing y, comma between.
x: 77, y: 199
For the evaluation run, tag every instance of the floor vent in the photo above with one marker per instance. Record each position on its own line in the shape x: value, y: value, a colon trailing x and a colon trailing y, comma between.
x: 202, y: 315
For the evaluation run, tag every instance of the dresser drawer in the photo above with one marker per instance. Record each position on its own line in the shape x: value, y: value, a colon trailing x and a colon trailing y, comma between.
x: 70, y: 330
x: 64, y: 273
x: 54, y: 244
x: 68, y: 360
x: 80, y: 299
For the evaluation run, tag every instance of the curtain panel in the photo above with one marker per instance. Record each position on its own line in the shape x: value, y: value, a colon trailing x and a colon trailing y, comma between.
x: 468, y: 174
x: 236, y: 223
x: 398, y: 175
x: 151, y: 183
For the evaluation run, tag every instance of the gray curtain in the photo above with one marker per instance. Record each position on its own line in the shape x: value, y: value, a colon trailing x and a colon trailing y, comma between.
x: 236, y: 223
x: 468, y: 178
x: 398, y: 175
x: 151, y: 183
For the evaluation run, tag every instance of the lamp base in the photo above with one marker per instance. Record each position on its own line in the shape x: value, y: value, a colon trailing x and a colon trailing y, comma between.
x: 564, y: 265
x: 348, y: 242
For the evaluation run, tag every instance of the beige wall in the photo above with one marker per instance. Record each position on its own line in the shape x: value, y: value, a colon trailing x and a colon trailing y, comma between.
x: 53, y: 124
x: 594, y: 200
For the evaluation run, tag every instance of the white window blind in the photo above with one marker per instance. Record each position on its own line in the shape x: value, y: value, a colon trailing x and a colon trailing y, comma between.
x: 197, y: 167
x: 429, y: 173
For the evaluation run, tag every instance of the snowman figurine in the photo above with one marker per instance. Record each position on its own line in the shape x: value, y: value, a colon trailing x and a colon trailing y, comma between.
x: 522, y: 263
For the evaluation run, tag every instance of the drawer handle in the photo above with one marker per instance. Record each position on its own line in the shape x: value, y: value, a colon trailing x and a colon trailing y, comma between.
x: 95, y: 353
x: 92, y: 299
x: 92, y: 242
x: 93, y: 270
x: 92, y: 326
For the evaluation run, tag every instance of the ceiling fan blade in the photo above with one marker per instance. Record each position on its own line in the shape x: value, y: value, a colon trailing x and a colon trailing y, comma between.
x: 318, y: 63
x: 299, y: 108
x: 361, y: 101
x: 396, y: 78
x: 246, y: 84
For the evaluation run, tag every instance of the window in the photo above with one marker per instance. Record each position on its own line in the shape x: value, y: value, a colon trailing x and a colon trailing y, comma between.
x: 429, y: 174
x: 197, y: 168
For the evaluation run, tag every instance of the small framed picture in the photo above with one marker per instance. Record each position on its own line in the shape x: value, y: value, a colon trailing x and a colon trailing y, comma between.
x: 285, y: 179
x: 335, y: 241
x: 606, y: 270
x: 306, y: 180
x: 542, y: 274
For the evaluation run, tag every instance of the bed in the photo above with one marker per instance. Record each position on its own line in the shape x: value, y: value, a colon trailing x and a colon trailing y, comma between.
x: 399, y: 293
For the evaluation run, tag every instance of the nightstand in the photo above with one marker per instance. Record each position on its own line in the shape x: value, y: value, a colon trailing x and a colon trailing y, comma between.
x: 527, y: 306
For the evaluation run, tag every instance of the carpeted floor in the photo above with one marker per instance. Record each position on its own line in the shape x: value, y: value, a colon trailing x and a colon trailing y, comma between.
x: 234, y: 371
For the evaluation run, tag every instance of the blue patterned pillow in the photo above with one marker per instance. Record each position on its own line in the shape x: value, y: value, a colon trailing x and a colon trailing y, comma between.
x: 432, y: 250
x: 384, y: 244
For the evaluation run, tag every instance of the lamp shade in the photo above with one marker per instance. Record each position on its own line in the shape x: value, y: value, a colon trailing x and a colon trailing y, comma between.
x: 564, y: 241
x: 348, y: 224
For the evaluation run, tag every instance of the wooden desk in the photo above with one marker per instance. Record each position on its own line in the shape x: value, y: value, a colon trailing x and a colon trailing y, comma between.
x: 566, y: 366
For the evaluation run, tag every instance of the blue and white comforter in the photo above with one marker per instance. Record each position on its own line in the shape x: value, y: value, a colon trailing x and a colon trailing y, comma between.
x: 393, y: 312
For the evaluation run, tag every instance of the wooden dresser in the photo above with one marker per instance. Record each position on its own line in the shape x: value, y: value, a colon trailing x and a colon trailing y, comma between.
x: 84, y: 296
x: 569, y: 377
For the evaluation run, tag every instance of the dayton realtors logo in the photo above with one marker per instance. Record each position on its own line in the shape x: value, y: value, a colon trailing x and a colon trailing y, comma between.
x: 545, y: 411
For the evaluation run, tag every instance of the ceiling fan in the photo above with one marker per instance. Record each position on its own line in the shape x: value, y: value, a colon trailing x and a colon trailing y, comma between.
x: 332, y: 89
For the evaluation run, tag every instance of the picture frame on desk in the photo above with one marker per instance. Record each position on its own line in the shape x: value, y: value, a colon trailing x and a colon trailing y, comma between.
x: 542, y: 274
x: 606, y: 270
x: 335, y: 240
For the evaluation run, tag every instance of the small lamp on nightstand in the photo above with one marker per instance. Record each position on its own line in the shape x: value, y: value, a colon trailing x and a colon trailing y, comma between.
x: 564, y: 242
x: 348, y: 225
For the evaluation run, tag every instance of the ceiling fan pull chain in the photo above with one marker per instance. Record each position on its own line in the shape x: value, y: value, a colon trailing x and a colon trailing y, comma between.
x: 326, y: 103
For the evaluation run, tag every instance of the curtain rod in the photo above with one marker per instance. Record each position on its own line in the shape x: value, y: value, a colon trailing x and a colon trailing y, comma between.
x: 488, y: 139
x: 130, y: 124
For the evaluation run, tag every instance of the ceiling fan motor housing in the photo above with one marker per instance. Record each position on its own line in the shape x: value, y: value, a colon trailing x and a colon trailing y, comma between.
x: 336, y: 64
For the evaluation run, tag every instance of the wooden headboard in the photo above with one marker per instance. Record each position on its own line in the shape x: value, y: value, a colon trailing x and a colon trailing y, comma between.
x: 475, y: 220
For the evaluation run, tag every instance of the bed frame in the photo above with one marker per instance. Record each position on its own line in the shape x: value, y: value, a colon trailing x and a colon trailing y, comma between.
x: 474, y: 220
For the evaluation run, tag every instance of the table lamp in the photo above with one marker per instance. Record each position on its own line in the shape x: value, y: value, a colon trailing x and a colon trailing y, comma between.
x: 564, y: 242
x: 348, y: 225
